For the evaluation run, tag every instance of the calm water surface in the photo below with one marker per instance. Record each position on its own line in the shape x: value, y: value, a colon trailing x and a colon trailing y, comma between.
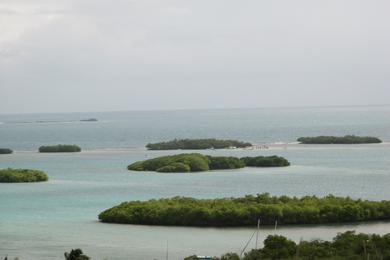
x: 42, y: 220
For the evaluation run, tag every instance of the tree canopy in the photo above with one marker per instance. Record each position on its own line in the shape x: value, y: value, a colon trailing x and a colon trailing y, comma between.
x: 197, y: 144
x: 60, y: 148
x: 22, y: 175
x: 244, y: 211
x: 5, y: 151
x: 348, y: 139
x: 195, y: 162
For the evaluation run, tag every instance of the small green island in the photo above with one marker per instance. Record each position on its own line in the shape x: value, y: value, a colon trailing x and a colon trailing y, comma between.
x: 89, y: 120
x: 21, y: 175
x: 245, y: 211
x: 5, y: 151
x: 196, y: 162
x: 348, y: 139
x: 197, y: 144
x: 60, y: 148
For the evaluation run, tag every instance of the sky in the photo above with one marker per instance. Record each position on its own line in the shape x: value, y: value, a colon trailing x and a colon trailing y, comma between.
x: 100, y: 55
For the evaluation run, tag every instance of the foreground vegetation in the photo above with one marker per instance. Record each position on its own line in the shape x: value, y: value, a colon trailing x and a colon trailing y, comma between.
x: 348, y: 139
x: 60, y: 148
x: 22, y: 175
x: 348, y: 245
x: 5, y: 151
x: 195, y: 162
x: 76, y: 254
x: 225, y: 212
x: 197, y: 144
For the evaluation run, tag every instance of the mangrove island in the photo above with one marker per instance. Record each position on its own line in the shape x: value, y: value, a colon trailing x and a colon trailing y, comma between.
x: 195, y: 162
x: 197, y: 144
x: 348, y: 139
x: 89, y: 120
x: 21, y: 175
x: 245, y: 211
x: 5, y: 151
x: 60, y: 148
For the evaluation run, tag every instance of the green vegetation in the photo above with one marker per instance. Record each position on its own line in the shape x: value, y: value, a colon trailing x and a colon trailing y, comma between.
x: 22, y: 175
x: 5, y: 151
x: 347, y: 245
x: 76, y: 254
x: 195, y: 162
x: 348, y: 139
x: 181, y: 211
x: 265, y: 161
x: 60, y: 148
x: 197, y: 144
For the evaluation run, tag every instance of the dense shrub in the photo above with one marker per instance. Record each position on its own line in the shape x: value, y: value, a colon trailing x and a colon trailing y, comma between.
x: 265, y: 161
x: 22, y: 175
x: 348, y: 139
x: 223, y: 162
x: 181, y: 211
x: 347, y: 245
x: 196, y: 162
x: 75, y: 254
x: 230, y: 256
x: 185, y: 162
x: 5, y: 151
x: 175, y: 167
x: 60, y: 148
x: 196, y: 144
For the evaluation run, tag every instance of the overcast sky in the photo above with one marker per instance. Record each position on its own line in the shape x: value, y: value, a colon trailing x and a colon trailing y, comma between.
x: 101, y: 55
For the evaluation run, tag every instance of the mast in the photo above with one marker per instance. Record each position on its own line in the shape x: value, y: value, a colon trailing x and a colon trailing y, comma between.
x: 166, y: 257
x: 276, y: 225
x: 257, y: 234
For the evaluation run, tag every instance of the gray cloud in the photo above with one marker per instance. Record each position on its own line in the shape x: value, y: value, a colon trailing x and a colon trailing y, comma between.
x: 100, y: 55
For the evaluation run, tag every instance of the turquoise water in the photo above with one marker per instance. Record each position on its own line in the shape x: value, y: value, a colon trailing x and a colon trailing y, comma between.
x: 135, y: 129
x: 42, y: 220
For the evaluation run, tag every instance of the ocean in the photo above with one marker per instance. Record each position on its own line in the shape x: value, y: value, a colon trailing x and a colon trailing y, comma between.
x: 43, y: 220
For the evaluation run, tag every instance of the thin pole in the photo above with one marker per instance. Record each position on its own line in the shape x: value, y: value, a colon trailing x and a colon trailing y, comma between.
x: 247, y: 243
x: 276, y: 225
x: 257, y: 235
x: 167, y: 251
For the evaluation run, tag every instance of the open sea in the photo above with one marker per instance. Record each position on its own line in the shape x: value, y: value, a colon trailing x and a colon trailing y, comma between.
x: 43, y: 220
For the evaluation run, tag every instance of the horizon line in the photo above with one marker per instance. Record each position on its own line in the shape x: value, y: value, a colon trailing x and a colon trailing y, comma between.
x: 199, y: 109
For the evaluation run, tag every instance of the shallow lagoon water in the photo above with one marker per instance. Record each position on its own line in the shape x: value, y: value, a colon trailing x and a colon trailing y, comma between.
x: 42, y: 220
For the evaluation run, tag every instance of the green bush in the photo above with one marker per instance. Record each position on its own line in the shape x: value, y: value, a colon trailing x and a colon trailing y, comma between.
x: 196, y: 162
x: 265, y: 161
x: 348, y: 139
x: 278, y: 247
x: 60, y: 148
x: 5, y: 151
x: 175, y: 167
x: 193, y: 162
x: 223, y: 162
x: 181, y: 211
x: 347, y: 245
x: 75, y: 254
x: 22, y: 175
x: 230, y: 256
x: 196, y: 144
